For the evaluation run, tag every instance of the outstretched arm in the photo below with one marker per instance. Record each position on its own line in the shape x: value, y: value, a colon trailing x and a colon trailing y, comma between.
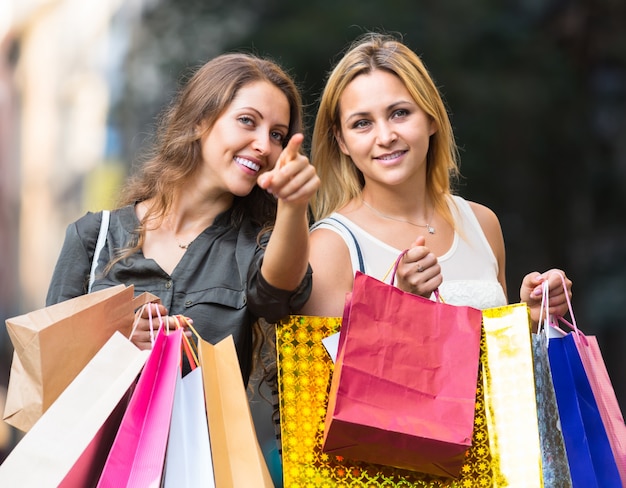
x: 293, y: 182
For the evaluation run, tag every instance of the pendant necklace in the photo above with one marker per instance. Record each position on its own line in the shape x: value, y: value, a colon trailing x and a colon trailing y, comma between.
x: 183, y: 246
x: 428, y: 227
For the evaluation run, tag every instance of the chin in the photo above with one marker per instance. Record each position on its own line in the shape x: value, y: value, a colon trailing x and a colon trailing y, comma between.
x: 242, y: 191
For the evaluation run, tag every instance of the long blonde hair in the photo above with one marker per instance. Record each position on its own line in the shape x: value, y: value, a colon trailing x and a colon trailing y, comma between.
x: 341, y: 180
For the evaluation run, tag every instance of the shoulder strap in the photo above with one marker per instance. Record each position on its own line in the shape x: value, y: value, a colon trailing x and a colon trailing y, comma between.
x: 102, y: 237
x: 344, y: 227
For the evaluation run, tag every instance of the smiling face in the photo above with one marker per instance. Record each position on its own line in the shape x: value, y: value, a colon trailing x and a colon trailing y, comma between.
x: 383, y: 130
x: 246, y: 139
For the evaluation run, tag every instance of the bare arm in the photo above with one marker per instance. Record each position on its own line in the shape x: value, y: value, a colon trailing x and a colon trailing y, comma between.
x: 332, y: 274
x: 530, y: 289
x: 293, y: 182
x: 493, y: 231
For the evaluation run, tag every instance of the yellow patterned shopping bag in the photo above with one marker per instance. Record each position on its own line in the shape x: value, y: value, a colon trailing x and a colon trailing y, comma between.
x: 304, y: 376
x: 305, y: 370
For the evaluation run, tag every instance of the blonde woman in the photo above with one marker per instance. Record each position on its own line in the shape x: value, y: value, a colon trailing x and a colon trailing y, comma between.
x: 384, y: 149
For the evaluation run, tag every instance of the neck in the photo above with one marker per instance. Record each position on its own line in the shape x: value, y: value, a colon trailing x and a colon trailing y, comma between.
x: 415, y: 207
x: 188, y: 214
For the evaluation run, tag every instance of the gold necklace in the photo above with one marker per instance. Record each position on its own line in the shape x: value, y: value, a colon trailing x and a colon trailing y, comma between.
x: 428, y: 227
x: 183, y: 246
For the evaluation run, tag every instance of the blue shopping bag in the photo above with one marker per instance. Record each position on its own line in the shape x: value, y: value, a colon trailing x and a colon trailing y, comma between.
x: 591, y: 460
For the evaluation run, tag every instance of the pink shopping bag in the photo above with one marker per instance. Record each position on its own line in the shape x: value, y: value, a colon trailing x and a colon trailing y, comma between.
x: 137, y: 456
x: 403, y: 391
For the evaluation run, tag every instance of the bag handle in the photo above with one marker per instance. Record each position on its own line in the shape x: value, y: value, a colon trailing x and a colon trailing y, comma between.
x: 191, y: 350
x: 395, y: 268
x: 138, y: 314
x: 553, y: 321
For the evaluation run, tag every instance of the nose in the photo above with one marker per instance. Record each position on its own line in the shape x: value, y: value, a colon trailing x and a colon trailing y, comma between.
x: 386, y: 133
x: 262, y: 144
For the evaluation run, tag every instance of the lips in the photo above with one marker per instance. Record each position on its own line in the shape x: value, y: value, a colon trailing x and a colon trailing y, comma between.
x: 247, y: 163
x: 390, y: 156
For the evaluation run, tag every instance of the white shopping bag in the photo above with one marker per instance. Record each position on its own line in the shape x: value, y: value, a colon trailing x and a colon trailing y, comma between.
x: 68, y: 445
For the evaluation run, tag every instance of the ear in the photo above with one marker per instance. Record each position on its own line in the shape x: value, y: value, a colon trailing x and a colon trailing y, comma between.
x: 339, y: 139
x: 432, y: 127
x: 201, y: 129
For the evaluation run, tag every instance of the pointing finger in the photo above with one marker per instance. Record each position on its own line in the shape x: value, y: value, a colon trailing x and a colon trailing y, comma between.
x: 292, y: 149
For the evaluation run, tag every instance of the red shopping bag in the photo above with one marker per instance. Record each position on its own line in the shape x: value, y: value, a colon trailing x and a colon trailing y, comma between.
x: 137, y: 456
x: 403, y: 390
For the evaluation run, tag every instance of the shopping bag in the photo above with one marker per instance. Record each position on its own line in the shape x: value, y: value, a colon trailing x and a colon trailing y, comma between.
x: 137, y: 455
x: 403, y: 390
x: 554, y: 464
x: 589, y: 453
x: 237, y: 458
x: 510, y: 397
x: 604, y: 394
x: 509, y: 459
x: 68, y: 445
x: 588, y: 349
x: 53, y: 344
x: 188, y: 457
x: 304, y: 377
x: 589, y: 450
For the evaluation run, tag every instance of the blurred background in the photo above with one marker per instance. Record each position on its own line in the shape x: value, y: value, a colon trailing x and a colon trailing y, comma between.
x: 536, y: 91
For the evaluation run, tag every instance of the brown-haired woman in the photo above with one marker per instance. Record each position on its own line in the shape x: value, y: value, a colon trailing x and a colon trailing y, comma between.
x: 215, y: 222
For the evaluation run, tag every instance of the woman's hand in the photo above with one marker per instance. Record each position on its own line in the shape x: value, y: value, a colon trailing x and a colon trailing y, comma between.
x: 293, y: 179
x: 531, y: 292
x: 419, y: 271
x: 142, y: 337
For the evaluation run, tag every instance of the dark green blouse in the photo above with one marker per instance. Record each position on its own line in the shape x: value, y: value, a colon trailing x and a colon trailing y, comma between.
x: 217, y: 282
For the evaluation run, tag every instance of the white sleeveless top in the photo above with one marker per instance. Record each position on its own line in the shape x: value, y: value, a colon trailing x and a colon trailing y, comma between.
x: 469, y: 267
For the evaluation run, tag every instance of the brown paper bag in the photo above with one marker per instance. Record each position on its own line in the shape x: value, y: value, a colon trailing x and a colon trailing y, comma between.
x: 53, y: 344
x: 237, y: 458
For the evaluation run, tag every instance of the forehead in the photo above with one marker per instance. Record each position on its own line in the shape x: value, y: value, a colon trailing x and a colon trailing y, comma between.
x: 373, y: 89
x: 265, y: 98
